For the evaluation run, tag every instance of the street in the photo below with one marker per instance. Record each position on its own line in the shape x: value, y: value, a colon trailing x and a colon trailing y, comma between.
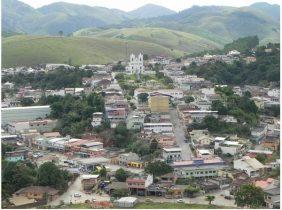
x: 219, y: 200
x: 77, y: 188
x: 180, y: 135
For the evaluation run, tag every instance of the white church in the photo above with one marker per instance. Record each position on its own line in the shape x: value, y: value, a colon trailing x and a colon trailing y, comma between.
x: 135, y: 65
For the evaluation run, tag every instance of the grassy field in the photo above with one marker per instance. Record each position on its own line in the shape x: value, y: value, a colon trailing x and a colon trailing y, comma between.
x: 175, y: 206
x: 30, y: 50
x: 171, y: 39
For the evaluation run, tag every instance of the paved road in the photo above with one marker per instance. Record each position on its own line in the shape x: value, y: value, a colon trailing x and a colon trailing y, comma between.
x: 77, y: 188
x: 180, y: 135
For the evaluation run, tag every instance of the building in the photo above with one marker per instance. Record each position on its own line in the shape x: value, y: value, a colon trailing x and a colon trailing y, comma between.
x: 165, y: 140
x: 38, y: 193
x: 116, y: 115
x: 159, y: 103
x: 251, y: 166
x: 135, y: 65
x: 138, y: 184
x: 127, y: 158
x: 199, y: 167
x: 228, y: 147
x: 163, y: 128
x: 272, y: 197
x: 126, y: 202
x: 97, y: 118
x: 191, y: 116
x: 172, y: 154
x: 45, y: 125
x: 204, y: 153
x: 14, y: 114
x: 135, y: 121
x: 88, y: 181
x: 17, y: 155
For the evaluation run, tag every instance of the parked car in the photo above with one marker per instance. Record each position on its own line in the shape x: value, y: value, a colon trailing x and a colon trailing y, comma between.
x: 180, y: 201
x: 228, y: 197
x: 76, y: 195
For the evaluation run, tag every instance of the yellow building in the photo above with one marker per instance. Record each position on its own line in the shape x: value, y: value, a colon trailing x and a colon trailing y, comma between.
x: 159, y: 103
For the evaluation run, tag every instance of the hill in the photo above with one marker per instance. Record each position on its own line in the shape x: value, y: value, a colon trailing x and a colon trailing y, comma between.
x: 172, y: 39
x: 149, y: 11
x: 219, y: 23
x: 32, y: 50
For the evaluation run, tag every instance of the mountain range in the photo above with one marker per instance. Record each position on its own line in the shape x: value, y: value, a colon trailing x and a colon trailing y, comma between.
x: 220, y: 24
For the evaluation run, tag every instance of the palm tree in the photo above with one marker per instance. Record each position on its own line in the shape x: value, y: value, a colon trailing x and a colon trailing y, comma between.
x: 210, y: 198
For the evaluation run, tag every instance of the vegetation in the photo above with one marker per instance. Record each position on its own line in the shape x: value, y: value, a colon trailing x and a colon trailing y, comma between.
x: 158, y: 168
x: 120, y: 193
x: 143, y: 97
x: 32, y: 50
x: 188, y: 99
x: 261, y: 158
x: 250, y: 196
x: 191, y: 190
x: 74, y: 112
x: 243, y: 45
x: 122, y: 137
x: 176, y: 41
x: 50, y: 175
x: 210, y: 198
x: 16, y: 175
x: 175, y: 206
x: 272, y: 111
x: 50, y: 80
x: 121, y: 175
x: 264, y: 70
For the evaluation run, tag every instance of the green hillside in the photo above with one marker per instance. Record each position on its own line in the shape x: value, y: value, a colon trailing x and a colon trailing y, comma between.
x: 171, y: 39
x: 31, y: 50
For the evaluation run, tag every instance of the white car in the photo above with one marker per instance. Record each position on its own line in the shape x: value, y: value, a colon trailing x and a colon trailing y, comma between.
x: 180, y: 201
x: 76, y: 195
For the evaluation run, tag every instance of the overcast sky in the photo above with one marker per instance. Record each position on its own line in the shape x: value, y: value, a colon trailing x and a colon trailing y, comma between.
x: 128, y: 5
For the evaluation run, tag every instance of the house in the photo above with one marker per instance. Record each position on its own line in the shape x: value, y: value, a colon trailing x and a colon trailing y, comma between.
x: 222, y: 182
x: 251, y: 166
x: 191, y: 116
x: 172, y: 154
x: 271, y: 142
x: 272, y: 197
x: 266, y: 184
x: 127, y: 158
x: 199, y: 167
x: 165, y: 140
x: 17, y: 155
x: 204, y: 153
x: 38, y: 193
x: 8, y: 85
x: 254, y: 153
x: 200, y: 138
x: 88, y: 181
x: 158, y: 103
x: 138, y: 184
x: 228, y: 147
x: 97, y: 118
x: 113, y: 186
x: 163, y: 128
x: 126, y: 202
x: 45, y: 125
x: 234, y: 53
x: 135, y: 64
x: 258, y: 134
x: 135, y: 121
x: 116, y: 115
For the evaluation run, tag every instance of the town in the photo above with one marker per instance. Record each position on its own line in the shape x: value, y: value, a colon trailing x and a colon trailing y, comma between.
x: 143, y: 132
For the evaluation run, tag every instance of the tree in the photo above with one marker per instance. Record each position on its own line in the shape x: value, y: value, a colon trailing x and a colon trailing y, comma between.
x: 210, y: 198
x: 143, y: 97
x: 103, y: 172
x: 121, y: 175
x: 120, y: 193
x: 158, y: 168
x: 153, y: 145
x: 27, y: 102
x: 61, y: 33
x: 145, y: 57
x: 217, y: 105
x: 178, y: 60
x: 189, y: 99
x: 261, y: 157
x: 190, y: 191
x: 249, y: 195
x: 50, y: 175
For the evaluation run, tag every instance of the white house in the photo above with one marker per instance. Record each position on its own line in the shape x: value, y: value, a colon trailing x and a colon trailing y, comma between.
x: 135, y: 64
x: 172, y: 154
x: 97, y: 118
x: 228, y: 147
x: 251, y: 166
x: 165, y: 128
